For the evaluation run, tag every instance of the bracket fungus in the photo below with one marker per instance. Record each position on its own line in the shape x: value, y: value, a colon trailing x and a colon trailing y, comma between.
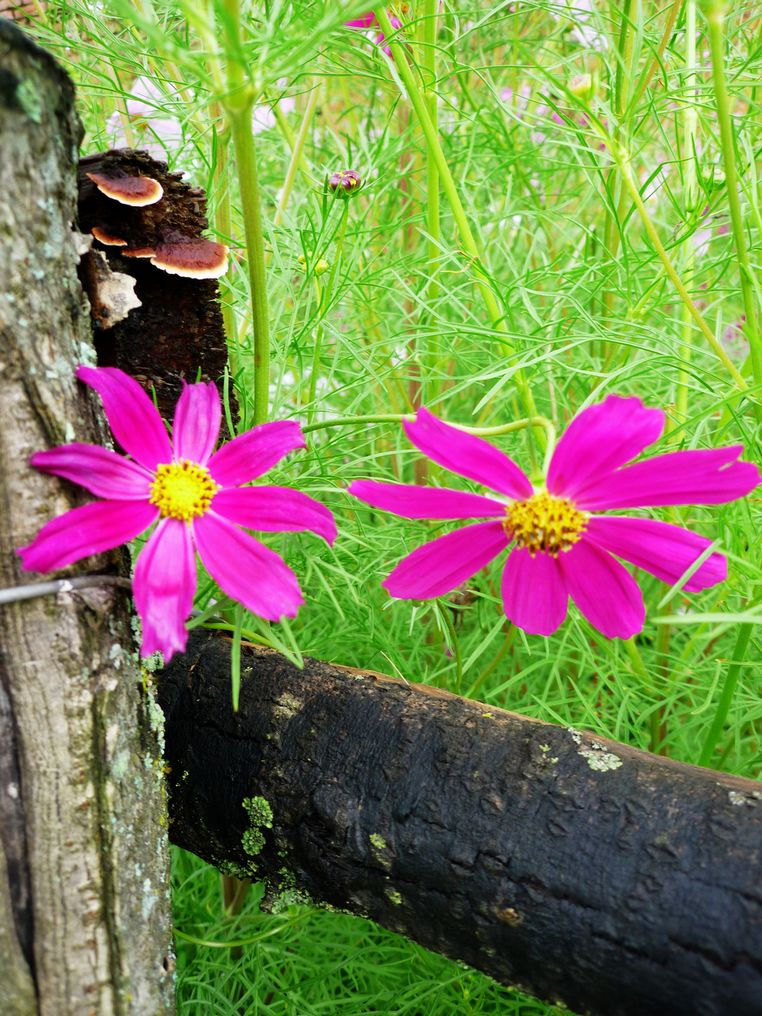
x: 137, y: 191
x: 177, y: 329
x: 102, y: 236
x: 191, y: 258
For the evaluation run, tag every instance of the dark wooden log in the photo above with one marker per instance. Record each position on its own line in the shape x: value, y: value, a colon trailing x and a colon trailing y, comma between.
x: 572, y: 867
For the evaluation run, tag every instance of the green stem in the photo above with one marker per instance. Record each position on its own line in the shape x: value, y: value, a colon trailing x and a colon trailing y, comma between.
x: 622, y: 160
x: 446, y: 613
x: 238, y: 103
x: 614, y: 206
x: 296, y: 155
x: 433, y: 221
x: 690, y: 120
x: 726, y: 696
x: 317, y: 349
x: 470, y: 246
x: 246, y: 162
x: 714, y: 11
x: 492, y: 665
x: 658, y: 56
x: 624, y: 67
x: 636, y: 661
x: 323, y: 295
x: 224, y: 227
x: 503, y: 428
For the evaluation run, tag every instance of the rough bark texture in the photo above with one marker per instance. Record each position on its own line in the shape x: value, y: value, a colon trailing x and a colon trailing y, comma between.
x: 84, y: 914
x: 573, y: 867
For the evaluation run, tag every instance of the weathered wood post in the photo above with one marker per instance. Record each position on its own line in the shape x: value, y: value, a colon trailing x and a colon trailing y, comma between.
x: 84, y: 913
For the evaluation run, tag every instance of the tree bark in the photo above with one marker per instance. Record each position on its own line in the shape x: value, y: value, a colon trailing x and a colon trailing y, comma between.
x: 84, y: 912
x: 572, y: 867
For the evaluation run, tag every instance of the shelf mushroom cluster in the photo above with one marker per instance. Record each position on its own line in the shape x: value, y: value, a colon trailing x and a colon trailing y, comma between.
x: 191, y: 257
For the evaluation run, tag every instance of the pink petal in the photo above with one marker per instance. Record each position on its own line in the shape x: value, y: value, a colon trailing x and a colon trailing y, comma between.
x: 599, y: 439
x: 99, y: 470
x: 414, y: 502
x: 251, y: 454
x: 534, y: 592
x: 467, y: 455
x: 133, y: 418
x: 443, y: 564
x: 603, y: 590
x: 707, y: 476
x: 91, y: 529
x: 664, y: 550
x: 196, y: 425
x: 246, y: 570
x: 164, y: 586
x: 275, y: 509
x: 364, y: 22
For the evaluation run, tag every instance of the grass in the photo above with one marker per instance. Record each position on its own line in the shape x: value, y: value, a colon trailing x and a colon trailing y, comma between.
x: 587, y: 252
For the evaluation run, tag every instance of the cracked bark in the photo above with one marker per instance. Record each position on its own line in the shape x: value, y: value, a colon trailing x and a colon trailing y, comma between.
x: 573, y: 867
x: 84, y: 913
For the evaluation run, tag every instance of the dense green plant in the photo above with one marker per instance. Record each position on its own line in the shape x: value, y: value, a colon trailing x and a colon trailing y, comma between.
x: 560, y: 201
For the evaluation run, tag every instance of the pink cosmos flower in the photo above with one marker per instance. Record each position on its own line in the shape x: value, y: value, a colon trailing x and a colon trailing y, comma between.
x: 369, y: 20
x: 194, y: 493
x: 560, y: 544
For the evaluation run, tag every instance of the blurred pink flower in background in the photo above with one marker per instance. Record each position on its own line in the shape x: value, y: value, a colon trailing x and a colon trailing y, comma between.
x: 711, y: 227
x: 734, y: 340
x: 368, y: 21
x: 160, y: 134
x: 560, y: 545
x: 196, y: 495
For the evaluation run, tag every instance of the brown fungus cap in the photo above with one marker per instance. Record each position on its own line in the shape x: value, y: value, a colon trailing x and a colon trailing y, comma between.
x: 137, y: 191
x: 106, y: 238
x: 193, y: 259
x: 138, y: 252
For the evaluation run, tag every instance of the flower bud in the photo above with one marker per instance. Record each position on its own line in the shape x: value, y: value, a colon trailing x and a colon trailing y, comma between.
x: 319, y: 267
x: 582, y: 85
x: 344, y: 181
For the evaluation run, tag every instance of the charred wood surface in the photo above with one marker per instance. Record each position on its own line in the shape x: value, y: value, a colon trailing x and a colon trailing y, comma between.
x: 573, y: 867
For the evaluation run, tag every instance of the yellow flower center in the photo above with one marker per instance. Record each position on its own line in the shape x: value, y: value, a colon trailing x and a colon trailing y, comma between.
x: 545, y: 523
x: 182, y: 490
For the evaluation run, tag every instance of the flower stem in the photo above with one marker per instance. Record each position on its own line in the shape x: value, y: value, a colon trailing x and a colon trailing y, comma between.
x: 223, y: 225
x: 322, y: 298
x: 503, y: 428
x: 726, y: 696
x: 316, y: 351
x: 714, y: 11
x: 455, y: 646
x: 470, y: 246
x: 238, y: 103
x: 690, y: 122
x: 433, y: 223
x: 622, y: 159
x: 296, y: 155
x: 624, y: 68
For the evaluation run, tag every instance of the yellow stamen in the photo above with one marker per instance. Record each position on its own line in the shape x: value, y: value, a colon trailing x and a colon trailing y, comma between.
x: 182, y: 490
x: 545, y: 523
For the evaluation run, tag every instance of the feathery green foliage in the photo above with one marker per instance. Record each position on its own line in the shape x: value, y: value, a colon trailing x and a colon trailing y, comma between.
x: 585, y: 199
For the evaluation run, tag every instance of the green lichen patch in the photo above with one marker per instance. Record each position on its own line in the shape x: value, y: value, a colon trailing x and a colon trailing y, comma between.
x: 30, y: 100
x: 394, y: 897
x: 377, y: 841
x: 260, y: 817
x: 237, y: 870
